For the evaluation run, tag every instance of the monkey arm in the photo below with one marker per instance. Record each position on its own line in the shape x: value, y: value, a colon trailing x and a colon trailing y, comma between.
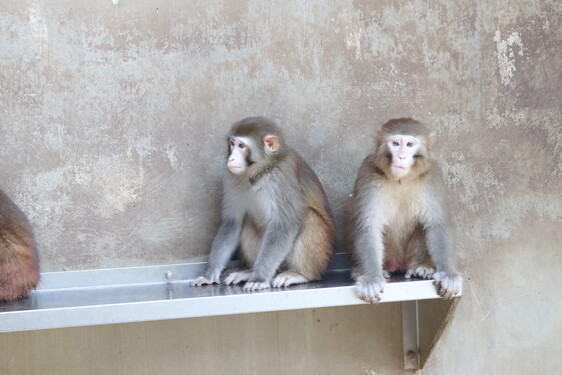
x: 368, y: 224
x: 224, y: 245
x: 438, y: 237
x: 370, y: 251
x: 439, y: 245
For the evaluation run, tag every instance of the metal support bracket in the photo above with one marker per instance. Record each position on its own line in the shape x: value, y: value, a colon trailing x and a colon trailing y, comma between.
x: 423, y: 322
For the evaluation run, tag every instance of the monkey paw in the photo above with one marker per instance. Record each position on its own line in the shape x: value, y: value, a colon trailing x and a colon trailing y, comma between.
x: 288, y: 278
x: 202, y: 280
x: 251, y: 286
x: 423, y: 272
x: 370, y: 290
x: 237, y: 277
x: 448, y: 285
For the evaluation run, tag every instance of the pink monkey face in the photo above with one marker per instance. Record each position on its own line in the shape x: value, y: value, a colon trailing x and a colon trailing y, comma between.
x: 403, y: 149
x: 239, y: 152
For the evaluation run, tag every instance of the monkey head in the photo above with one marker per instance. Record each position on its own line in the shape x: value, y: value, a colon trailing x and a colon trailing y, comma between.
x: 403, y: 147
x: 254, y: 145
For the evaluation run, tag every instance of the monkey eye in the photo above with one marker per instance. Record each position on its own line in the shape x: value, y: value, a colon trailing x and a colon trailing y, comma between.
x: 410, y: 144
x: 241, y: 145
x: 395, y: 143
x: 231, y: 143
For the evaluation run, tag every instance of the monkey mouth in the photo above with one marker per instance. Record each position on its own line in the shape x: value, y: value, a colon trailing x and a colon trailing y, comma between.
x: 236, y: 170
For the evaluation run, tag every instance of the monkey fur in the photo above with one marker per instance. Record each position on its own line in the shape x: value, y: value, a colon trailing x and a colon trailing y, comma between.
x: 397, y: 220
x: 274, y: 209
x: 19, y: 262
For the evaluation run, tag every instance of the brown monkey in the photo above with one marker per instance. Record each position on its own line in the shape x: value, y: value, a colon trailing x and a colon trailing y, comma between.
x: 274, y: 208
x: 397, y: 219
x: 19, y: 264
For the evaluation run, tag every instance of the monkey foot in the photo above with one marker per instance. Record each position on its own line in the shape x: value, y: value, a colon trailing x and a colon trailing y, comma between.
x: 369, y: 290
x: 237, y: 277
x: 448, y: 285
x: 202, y: 280
x: 251, y: 286
x: 288, y: 278
x: 423, y: 272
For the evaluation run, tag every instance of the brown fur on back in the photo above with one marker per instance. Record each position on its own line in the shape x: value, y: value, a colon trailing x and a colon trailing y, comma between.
x: 314, y: 246
x: 19, y: 264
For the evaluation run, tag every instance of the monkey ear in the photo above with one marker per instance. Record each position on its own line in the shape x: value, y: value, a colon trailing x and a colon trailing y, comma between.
x: 271, y: 143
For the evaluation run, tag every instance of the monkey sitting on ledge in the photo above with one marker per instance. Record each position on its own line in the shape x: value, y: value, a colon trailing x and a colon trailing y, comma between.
x: 274, y: 208
x: 397, y: 218
x: 19, y: 264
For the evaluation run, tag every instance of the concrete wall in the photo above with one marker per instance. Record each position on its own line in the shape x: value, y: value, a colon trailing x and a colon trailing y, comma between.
x: 113, y: 120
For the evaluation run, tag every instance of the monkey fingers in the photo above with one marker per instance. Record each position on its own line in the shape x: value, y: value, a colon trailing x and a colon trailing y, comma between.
x: 448, y: 285
x: 423, y: 272
x: 202, y: 280
x: 288, y: 278
x: 251, y: 286
x: 369, y: 290
x: 237, y: 277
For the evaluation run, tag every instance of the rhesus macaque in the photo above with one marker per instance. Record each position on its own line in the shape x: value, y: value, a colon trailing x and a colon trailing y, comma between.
x: 397, y: 219
x: 19, y: 263
x: 274, y: 209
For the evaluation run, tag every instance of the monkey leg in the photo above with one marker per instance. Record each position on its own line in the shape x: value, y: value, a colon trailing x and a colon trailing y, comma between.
x: 251, y: 238
x: 420, y: 264
x: 237, y: 277
x: 312, y: 250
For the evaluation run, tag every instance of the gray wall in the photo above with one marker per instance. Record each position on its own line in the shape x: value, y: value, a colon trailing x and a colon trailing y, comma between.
x: 113, y: 120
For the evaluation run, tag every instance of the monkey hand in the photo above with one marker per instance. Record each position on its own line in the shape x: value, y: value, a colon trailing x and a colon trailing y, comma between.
x: 251, y: 286
x: 202, y: 280
x: 369, y: 290
x: 448, y: 284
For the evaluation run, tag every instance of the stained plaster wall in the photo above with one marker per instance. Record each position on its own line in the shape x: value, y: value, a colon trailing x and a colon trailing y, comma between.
x: 113, y: 120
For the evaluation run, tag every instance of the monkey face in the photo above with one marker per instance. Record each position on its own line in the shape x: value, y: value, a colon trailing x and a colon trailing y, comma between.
x: 240, y: 155
x: 245, y: 153
x: 403, y: 149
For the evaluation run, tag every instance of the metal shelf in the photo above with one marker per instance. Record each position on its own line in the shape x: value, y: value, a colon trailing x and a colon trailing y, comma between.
x: 123, y: 295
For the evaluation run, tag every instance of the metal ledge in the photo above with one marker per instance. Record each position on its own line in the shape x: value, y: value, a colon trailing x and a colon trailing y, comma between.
x: 124, y: 295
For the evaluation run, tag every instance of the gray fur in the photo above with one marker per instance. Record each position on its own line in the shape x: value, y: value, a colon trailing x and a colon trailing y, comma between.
x: 267, y: 212
x: 403, y: 223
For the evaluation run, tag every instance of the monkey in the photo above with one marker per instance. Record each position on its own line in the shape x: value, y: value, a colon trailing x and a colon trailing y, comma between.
x: 19, y: 260
x: 274, y: 209
x: 397, y: 219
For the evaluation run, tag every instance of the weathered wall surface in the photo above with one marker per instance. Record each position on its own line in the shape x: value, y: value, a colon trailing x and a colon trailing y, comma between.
x: 113, y: 120
x: 506, y: 175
